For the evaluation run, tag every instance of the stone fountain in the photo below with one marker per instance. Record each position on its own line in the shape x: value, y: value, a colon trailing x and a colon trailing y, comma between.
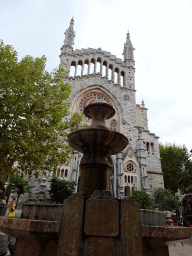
x: 92, y: 222
x: 97, y: 143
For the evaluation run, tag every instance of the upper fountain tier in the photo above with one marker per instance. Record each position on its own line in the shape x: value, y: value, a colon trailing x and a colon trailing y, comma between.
x: 98, y: 137
x: 99, y: 111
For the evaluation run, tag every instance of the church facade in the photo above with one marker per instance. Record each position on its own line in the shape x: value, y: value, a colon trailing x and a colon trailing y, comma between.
x: 97, y: 74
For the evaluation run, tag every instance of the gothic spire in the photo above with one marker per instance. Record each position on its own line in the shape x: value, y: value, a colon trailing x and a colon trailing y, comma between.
x: 69, y: 35
x: 128, y: 49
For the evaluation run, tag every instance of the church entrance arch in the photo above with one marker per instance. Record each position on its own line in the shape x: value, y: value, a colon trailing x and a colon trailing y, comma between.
x: 86, y: 97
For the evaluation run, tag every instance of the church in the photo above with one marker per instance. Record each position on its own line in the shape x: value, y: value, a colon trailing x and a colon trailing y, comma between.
x: 97, y: 74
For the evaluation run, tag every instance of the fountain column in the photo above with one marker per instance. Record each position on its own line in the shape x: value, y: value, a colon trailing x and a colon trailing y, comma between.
x: 96, y: 143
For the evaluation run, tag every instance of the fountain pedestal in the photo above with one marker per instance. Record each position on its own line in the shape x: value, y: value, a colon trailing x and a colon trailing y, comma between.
x: 100, y: 225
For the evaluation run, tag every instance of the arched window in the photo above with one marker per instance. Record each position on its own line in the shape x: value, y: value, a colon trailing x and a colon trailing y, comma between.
x: 105, y: 69
x: 111, y: 72
x: 116, y: 75
x: 92, y: 67
x: 99, y: 70
x: 147, y: 146
x: 125, y: 177
x: 85, y: 70
x: 66, y: 172
x: 122, y: 78
x: 131, y: 179
x: 79, y: 67
x: 72, y: 70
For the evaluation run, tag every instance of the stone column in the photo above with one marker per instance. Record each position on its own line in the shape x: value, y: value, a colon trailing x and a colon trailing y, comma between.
x: 112, y: 78
x: 88, y: 70
x: 124, y: 80
x: 119, y: 77
x: 82, y: 69
x: 120, y: 174
x: 107, y: 70
x: 95, y: 66
x: 75, y: 70
x: 101, y: 67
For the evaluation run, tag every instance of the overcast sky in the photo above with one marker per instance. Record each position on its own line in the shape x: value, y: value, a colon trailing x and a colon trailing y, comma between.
x: 161, y: 33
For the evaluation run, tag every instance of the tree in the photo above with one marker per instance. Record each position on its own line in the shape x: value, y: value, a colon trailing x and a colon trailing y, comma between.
x: 33, y: 107
x: 19, y: 185
x: 61, y: 189
x: 165, y: 201
x: 143, y: 199
x: 176, y: 166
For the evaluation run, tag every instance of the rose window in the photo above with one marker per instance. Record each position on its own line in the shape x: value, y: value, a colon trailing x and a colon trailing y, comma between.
x: 130, y: 167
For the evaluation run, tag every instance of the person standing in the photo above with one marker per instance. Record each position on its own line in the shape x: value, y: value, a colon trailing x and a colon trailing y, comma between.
x: 11, y: 212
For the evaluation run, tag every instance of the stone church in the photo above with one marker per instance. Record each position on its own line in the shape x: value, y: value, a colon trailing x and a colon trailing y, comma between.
x: 97, y: 74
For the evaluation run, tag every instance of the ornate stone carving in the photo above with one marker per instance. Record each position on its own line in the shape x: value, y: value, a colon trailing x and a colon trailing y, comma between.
x: 130, y: 154
x: 113, y: 124
x: 126, y: 97
x: 91, y: 97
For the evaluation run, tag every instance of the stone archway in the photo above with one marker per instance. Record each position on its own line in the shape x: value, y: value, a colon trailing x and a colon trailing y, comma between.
x: 86, y: 97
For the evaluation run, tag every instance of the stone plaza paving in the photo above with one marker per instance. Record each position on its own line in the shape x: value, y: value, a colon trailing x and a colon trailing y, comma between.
x: 180, y: 248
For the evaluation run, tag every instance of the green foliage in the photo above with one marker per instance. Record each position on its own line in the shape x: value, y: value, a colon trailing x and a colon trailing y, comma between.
x: 176, y: 166
x: 61, y: 189
x: 33, y: 104
x: 164, y: 200
x: 143, y: 199
x: 19, y: 185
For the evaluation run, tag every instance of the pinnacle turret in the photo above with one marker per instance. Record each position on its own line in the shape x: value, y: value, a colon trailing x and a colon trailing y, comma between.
x: 128, y: 49
x: 143, y: 104
x: 70, y: 35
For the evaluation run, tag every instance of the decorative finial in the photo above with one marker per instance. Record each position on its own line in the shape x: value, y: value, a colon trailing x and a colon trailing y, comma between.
x: 143, y: 104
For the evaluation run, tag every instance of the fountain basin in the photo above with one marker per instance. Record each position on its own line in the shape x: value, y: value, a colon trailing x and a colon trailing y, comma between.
x: 96, y: 143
